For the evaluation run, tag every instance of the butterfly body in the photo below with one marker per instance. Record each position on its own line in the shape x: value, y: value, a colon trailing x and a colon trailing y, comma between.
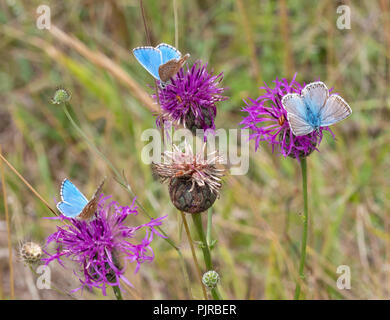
x: 314, y: 109
x: 162, y: 62
x: 314, y: 119
x: 74, y: 204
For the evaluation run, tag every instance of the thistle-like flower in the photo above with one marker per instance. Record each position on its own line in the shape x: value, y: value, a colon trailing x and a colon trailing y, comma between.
x: 194, y: 181
x: 103, y: 247
x: 190, y: 99
x: 267, y: 119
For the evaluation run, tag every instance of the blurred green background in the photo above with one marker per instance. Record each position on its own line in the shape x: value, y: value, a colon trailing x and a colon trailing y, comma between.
x: 257, y: 219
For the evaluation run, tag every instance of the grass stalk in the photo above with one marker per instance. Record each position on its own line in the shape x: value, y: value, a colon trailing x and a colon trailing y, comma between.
x: 9, y: 240
x: 27, y: 184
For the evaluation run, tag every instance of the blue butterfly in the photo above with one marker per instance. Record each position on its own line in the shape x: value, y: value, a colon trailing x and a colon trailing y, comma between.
x: 74, y: 204
x: 314, y: 108
x: 162, y: 62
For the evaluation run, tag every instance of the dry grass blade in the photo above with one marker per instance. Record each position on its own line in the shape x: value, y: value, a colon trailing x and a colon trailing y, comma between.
x: 27, y: 184
x: 11, y: 268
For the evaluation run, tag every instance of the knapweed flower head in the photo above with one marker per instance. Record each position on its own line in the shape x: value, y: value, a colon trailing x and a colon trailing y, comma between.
x: 30, y: 252
x: 189, y: 100
x: 103, y: 247
x: 194, y: 179
x: 267, y: 119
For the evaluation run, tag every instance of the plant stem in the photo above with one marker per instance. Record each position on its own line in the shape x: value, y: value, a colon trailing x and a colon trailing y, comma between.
x: 304, y: 232
x: 117, y: 292
x: 209, y: 225
x: 193, y: 254
x: 11, y: 268
x: 197, y: 219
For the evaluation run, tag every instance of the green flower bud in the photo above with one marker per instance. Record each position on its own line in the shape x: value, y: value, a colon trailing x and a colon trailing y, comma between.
x: 210, y: 279
x: 60, y: 96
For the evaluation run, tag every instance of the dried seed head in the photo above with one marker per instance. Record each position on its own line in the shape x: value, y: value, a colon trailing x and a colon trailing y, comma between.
x: 210, y: 279
x: 30, y: 252
x: 189, y: 197
x: 194, y: 181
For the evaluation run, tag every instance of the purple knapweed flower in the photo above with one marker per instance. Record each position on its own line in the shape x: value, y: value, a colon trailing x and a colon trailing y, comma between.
x: 102, y: 247
x: 267, y: 119
x: 189, y: 99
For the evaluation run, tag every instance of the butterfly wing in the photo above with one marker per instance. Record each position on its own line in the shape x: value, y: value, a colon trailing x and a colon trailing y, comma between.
x: 73, y: 201
x: 298, y: 126
x: 168, y: 52
x: 150, y: 58
x: 91, y: 207
x: 315, y: 95
x: 294, y: 104
x: 334, y: 110
x: 296, y: 114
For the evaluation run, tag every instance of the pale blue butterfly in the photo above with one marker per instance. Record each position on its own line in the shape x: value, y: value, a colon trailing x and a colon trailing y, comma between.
x: 74, y: 204
x: 314, y: 108
x: 162, y: 62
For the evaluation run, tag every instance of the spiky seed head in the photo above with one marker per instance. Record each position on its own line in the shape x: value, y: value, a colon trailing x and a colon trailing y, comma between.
x: 30, y: 252
x: 194, y: 180
x: 189, y: 197
x: 210, y: 279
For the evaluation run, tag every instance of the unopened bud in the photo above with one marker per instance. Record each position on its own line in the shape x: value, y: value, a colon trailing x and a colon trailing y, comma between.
x: 210, y: 279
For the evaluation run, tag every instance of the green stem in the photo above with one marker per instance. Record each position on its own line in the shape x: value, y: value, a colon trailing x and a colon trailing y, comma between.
x: 197, y: 219
x: 209, y: 224
x: 117, y: 292
x: 305, y: 227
